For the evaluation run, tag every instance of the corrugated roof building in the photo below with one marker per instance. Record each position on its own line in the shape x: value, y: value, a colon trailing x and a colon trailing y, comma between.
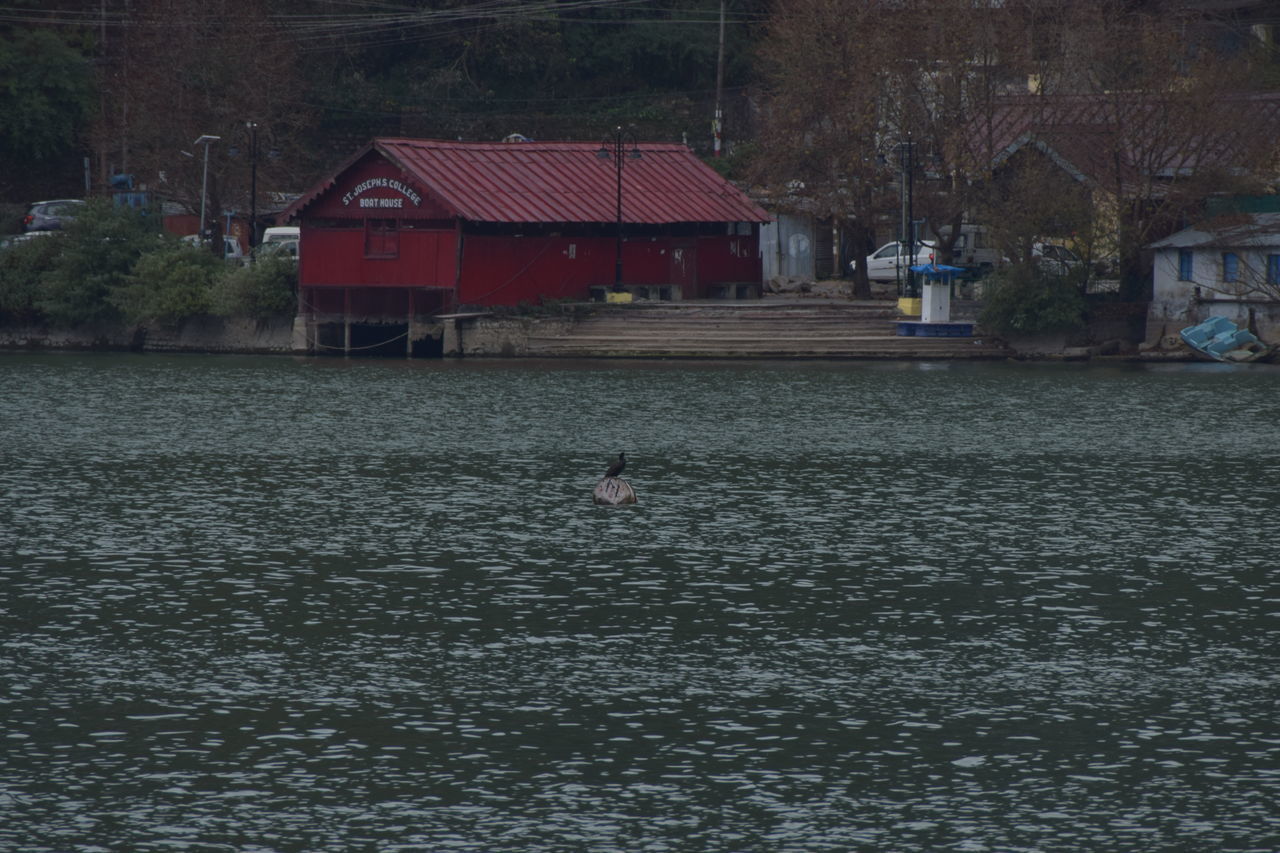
x: 415, y: 226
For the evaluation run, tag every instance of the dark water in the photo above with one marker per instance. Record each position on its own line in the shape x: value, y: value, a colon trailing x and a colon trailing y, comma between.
x: 277, y: 605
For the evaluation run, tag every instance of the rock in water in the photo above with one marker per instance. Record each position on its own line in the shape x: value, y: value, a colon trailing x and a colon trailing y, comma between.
x: 613, y: 491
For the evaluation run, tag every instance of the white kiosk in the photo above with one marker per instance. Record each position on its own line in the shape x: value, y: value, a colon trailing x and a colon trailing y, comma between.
x: 935, y: 306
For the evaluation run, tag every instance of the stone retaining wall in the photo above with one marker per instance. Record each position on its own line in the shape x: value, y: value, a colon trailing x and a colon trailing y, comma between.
x: 504, y: 336
x: 205, y: 334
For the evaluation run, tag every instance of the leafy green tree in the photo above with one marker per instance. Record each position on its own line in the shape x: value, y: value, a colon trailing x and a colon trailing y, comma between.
x: 46, y: 96
x: 1024, y: 299
x: 22, y: 267
x: 451, y: 68
x: 168, y: 285
x: 95, y: 260
x: 263, y: 290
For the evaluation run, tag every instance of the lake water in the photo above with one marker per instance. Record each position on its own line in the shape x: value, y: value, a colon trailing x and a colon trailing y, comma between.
x: 267, y: 604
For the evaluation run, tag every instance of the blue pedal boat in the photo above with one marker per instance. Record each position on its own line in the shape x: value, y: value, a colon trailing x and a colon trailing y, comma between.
x: 1219, y: 339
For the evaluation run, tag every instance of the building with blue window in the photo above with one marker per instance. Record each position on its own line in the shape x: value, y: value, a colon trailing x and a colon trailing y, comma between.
x: 1225, y: 267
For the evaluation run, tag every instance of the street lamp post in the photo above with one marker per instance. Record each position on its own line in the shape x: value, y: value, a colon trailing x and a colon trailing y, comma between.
x: 906, y: 151
x: 205, y: 140
x: 614, y: 146
x: 253, y: 184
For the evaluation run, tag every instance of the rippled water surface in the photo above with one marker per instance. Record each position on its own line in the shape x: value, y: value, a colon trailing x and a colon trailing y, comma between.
x: 285, y: 605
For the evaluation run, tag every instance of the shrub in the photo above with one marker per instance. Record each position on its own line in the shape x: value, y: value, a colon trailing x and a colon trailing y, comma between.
x: 98, y: 251
x: 11, y: 215
x: 1027, y: 300
x: 262, y: 290
x: 22, y: 267
x: 167, y: 285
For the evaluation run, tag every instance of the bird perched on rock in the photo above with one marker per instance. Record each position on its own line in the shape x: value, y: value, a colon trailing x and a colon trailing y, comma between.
x: 616, y: 468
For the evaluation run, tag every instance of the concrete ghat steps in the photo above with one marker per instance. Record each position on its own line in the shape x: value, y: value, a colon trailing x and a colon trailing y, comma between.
x: 755, y: 330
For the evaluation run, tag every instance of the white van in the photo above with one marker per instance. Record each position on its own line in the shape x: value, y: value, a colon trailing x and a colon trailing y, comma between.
x: 973, y: 249
x: 280, y: 234
x: 280, y: 240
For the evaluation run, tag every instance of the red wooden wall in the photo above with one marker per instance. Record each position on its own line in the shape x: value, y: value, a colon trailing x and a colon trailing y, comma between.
x: 503, y: 270
x: 335, y: 257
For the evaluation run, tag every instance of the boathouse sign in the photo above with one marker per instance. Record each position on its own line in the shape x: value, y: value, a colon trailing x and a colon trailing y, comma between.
x: 357, y: 194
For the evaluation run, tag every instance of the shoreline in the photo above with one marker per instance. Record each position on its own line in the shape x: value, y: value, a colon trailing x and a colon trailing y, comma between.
x: 773, y: 327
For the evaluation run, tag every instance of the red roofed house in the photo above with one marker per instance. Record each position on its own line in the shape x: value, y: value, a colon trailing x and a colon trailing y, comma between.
x: 415, y: 227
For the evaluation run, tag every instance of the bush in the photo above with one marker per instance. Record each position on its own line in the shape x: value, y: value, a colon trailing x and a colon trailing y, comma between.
x: 11, y: 215
x: 168, y: 285
x: 262, y: 290
x: 22, y: 267
x: 112, y: 264
x: 98, y: 251
x: 1026, y: 300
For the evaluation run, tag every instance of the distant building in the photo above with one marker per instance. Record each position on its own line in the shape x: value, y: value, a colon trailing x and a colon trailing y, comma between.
x: 1228, y: 267
x: 414, y: 227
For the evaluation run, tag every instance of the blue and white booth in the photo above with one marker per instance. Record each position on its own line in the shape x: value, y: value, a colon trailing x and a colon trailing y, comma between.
x: 935, y: 305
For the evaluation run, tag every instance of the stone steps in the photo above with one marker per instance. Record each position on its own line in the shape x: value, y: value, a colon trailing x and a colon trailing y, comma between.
x: 756, y: 331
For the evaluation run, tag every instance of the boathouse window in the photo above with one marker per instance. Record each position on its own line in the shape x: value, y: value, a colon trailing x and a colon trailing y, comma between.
x: 1186, y: 265
x: 381, y: 239
x: 1273, y: 269
x: 1230, y: 266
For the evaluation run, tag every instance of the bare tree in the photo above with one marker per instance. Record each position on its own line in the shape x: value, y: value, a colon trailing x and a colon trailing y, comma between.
x: 823, y: 112
x: 1129, y: 101
x: 1031, y: 197
x: 182, y: 70
x: 1143, y: 117
x: 959, y: 59
x: 853, y: 84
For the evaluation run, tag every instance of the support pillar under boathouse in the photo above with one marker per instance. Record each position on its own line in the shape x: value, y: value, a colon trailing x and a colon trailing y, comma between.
x: 346, y: 322
x: 409, y: 331
x: 372, y: 322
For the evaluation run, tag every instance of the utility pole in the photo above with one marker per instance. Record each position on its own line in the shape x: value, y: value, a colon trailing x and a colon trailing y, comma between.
x: 614, y: 146
x: 205, y: 140
x: 906, y: 192
x: 717, y: 125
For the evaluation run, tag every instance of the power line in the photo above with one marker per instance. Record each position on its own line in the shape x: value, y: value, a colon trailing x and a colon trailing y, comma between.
x: 389, y: 16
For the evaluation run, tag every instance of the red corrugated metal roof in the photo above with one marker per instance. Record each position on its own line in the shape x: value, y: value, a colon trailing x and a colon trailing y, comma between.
x: 562, y: 182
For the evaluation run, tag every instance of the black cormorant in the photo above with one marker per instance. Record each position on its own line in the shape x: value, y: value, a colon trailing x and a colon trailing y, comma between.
x: 616, y: 468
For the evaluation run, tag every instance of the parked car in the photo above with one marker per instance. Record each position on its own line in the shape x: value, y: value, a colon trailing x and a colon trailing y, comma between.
x: 279, y: 241
x: 277, y: 249
x: 972, y: 249
x: 51, y: 215
x: 1054, y: 258
x: 18, y: 239
x: 885, y: 263
x: 231, y: 250
x: 281, y: 234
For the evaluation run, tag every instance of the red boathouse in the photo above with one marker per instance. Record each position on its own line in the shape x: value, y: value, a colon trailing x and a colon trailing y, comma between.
x: 414, y: 227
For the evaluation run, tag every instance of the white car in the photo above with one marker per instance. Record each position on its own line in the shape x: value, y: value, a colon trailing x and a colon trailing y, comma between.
x: 18, y: 239
x: 1056, y: 259
x: 890, y: 261
x: 231, y: 250
x: 1052, y: 258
